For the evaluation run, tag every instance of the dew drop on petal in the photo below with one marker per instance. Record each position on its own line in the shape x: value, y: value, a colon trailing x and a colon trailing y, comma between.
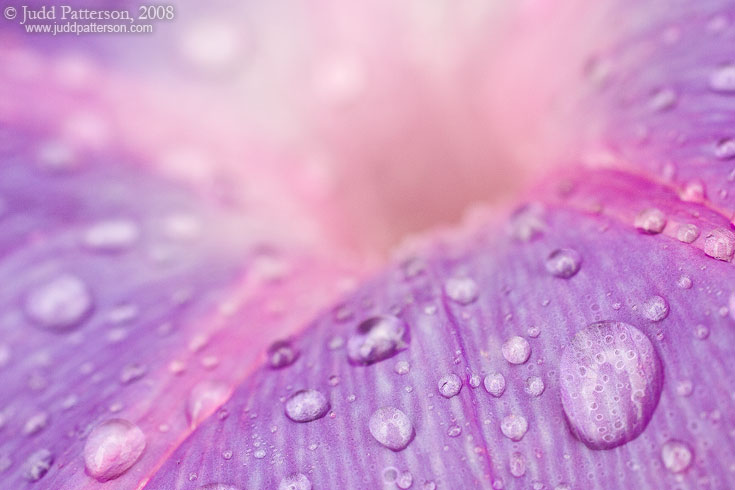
x: 454, y: 430
x: 687, y: 233
x: 377, y: 338
x: 297, y: 481
x: 282, y: 354
x: 534, y: 386
x: 725, y: 149
x: 495, y: 384
x: 650, y: 221
x: 36, y: 423
x: 517, y: 464
x: 676, y: 455
x: 391, y: 428
x: 402, y: 367
x: 693, y: 191
x: 449, y: 385
x: 112, y: 448
x: 462, y: 290
x: 655, y: 308
x: 405, y: 480
x: 527, y: 223
x: 218, y: 486
x: 720, y: 244
x: 37, y: 465
x: 516, y: 350
x: 306, y: 406
x: 563, y: 263
x: 204, y: 399
x: 722, y: 79
x: 61, y: 303
x: 111, y: 236
x: 608, y: 414
x: 514, y: 427
x: 663, y: 99
x: 684, y: 282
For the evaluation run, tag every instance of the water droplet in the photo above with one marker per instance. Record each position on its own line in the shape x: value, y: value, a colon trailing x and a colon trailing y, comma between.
x: 684, y: 282
x: 725, y: 149
x: 676, y: 455
x: 61, y: 303
x: 722, y: 79
x: 495, y: 384
x: 429, y: 485
x: 655, y: 308
x: 132, y: 372
x: 391, y: 428
x: 720, y: 244
x: 218, y: 486
x: 534, y: 386
x: 684, y: 388
x: 111, y: 236
x: 650, y: 221
x: 282, y: 354
x: 693, y: 191
x: 663, y: 99
x: 687, y: 233
x: 516, y: 350
x: 606, y: 414
x: 454, y: 430
x: 112, y: 448
x: 204, y: 399
x: 563, y: 263
x: 701, y: 332
x: 474, y: 380
x: 36, y: 424
x: 514, y: 427
x: 297, y: 481
x: 306, y: 405
x: 402, y: 367
x: 517, y: 464
x: 390, y: 474
x: 462, y: 290
x: 259, y: 453
x: 377, y: 338
x: 405, y: 480
x: 449, y: 385
x: 527, y: 223
x: 37, y: 465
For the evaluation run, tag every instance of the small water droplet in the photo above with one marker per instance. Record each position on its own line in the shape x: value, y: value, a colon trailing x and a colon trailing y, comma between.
x: 684, y: 282
x: 534, y: 386
x: 462, y: 290
x: 722, y: 79
x: 514, y: 427
x: 693, y: 191
x: 333, y: 380
x: 676, y: 455
x: 516, y: 350
x: 608, y: 414
x: 449, y: 385
x: 36, y: 424
x: 111, y: 236
x: 725, y: 149
x: 259, y: 453
x: 377, y: 338
x: 391, y: 428
x: 297, y: 481
x: 701, y: 332
x: 306, y: 406
x: 517, y: 464
x: 563, y: 263
x: 651, y: 221
x: 495, y: 384
x: 402, y: 367
x: 474, y: 380
x: 405, y: 480
x: 720, y: 244
x: 655, y: 308
x: 454, y: 430
x: 61, y: 303
x: 204, y: 399
x: 132, y: 372
x: 684, y: 388
x: 112, y: 448
x: 527, y: 223
x: 37, y: 465
x: 281, y: 354
x: 227, y: 454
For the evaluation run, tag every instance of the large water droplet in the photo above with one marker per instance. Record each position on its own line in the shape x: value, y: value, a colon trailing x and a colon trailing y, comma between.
x: 722, y: 79
x: 60, y: 303
x: 306, y: 405
x: 37, y: 464
x: 112, y: 448
x: 391, y: 428
x: 111, y: 236
x: 495, y: 384
x: 514, y: 427
x: 611, y: 380
x: 297, y: 481
x: 655, y: 308
x: 282, y: 354
x: 720, y: 244
x: 205, y: 397
x: 516, y: 350
x: 563, y: 263
x: 376, y: 339
x: 449, y: 385
x: 676, y: 455
x: 651, y: 221
x: 462, y: 290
